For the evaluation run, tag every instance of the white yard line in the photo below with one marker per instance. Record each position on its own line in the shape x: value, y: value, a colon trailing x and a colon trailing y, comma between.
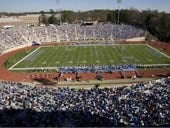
x: 153, y: 65
x: 84, y: 59
x: 33, y: 68
x: 61, y: 56
x: 23, y: 58
x: 103, y: 58
x: 157, y: 50
x: 78, y: 58
x: 107, y: 54
x: 66, y: 58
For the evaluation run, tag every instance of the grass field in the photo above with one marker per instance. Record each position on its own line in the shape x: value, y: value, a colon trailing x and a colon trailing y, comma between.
x: 91, y: 55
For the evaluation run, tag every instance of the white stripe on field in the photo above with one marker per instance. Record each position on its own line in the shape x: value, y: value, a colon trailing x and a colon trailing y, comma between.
x: 23, y: 58
x: 158, y: 51
x: 33, y: 68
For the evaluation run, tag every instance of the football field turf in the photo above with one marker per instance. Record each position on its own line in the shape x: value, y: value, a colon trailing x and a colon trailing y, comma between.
x: 57, y: 56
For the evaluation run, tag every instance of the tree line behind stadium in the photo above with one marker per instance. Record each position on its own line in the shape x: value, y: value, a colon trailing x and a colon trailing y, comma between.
x: 157, y: 23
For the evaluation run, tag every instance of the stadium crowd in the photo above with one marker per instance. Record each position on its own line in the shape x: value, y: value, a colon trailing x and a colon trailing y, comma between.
x: 143, y: 104
x: 93, y: 68
x: 10, y: 38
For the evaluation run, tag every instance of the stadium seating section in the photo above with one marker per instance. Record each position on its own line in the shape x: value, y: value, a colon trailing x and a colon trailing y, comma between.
x: 13, y: 37
x: 143, y: 104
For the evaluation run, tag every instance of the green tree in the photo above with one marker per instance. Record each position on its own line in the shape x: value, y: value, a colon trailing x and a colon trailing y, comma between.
x: 111, y: 17
x: 52, y: 19
x: 68, y: 16
x: 43, y: 18
x: 52, y: 12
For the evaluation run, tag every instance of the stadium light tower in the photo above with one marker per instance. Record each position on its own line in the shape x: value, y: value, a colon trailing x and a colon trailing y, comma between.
x: 57, y: 2
x: 118, y: 16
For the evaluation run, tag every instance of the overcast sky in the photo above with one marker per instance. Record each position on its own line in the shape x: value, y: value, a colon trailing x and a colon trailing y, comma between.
x: 38, y: 5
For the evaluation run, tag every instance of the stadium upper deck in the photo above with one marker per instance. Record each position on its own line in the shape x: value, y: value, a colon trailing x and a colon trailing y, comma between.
x: 14, y: 37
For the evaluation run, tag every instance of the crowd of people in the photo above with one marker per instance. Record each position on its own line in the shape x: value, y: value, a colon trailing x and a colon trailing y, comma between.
x: 142, y: 104
x: 10, y: 38
x: 111, y: 68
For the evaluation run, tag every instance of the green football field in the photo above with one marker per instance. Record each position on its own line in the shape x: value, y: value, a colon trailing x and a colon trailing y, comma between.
x: 56, y: 56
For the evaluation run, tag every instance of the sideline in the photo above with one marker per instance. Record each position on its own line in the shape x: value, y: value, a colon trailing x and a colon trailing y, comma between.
x: 33, y: 68
x: 158, y: 51
x: 11, y: 68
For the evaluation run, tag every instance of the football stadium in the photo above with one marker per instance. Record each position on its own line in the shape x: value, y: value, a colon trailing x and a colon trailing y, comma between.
x: 83, y: 69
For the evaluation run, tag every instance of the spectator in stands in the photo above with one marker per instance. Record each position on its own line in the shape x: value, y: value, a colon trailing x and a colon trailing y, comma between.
x: 14, y: 37
x: 143, y: 104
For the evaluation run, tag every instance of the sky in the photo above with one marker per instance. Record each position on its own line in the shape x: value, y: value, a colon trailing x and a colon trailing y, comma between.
x: 82, y: 5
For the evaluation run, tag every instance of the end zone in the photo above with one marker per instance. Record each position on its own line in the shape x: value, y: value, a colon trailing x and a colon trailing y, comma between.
x: 12, y: 67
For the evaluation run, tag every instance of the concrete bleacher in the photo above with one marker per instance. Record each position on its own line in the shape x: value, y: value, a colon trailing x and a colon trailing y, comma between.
x: 13, y: 37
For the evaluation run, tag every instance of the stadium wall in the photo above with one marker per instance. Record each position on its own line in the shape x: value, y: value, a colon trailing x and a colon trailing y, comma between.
x: 137, y: 39
x: 15, y: 48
